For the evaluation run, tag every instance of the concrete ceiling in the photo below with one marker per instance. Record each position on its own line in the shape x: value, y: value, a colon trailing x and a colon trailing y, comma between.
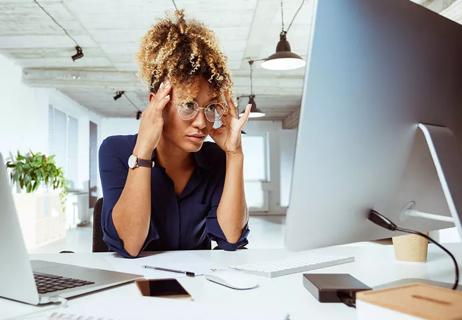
x: 110, y: 31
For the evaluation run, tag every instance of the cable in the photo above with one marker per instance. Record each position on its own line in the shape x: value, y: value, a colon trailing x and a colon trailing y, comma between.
x: 174, y: 4
x: 347, y: 298
x: 456, y: 267
x: 282, y: 16
x: 382, y: 221
x: 56, y: 22
x: 298, y: 10
x: 251, y: 76
x: 131, y: 102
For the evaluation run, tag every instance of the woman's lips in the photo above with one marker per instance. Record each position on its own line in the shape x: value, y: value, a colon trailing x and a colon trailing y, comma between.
x: 197, y: 138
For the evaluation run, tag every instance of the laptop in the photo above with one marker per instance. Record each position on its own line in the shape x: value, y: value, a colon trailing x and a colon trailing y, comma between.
x: 40, y: 282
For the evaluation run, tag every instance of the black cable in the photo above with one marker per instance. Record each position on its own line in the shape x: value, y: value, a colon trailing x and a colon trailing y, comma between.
x: 382, y: 221
x: 251, y: 76
x: 56, y: 22
x: 298, y: 10
x: 131, y: 102
x: 282, y: 16
x: 456, y: 281
x: 347, y: 298
x: 174, y: 4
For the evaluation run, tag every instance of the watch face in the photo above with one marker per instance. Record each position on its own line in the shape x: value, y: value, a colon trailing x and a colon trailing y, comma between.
x: 132, y: 161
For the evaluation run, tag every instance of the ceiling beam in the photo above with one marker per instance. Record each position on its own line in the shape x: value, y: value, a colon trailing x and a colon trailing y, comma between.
x: 128, y: 81
x: 291, y: 121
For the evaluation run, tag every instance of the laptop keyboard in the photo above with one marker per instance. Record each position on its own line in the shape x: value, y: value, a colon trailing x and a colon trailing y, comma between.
x: 50, y: 283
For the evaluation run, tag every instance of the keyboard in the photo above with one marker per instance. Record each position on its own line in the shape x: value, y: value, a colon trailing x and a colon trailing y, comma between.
x: 49, y: 283
x: 291, y: 265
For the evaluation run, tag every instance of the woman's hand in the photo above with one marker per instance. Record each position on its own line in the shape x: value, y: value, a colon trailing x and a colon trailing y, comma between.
x: 228, y: 136
x: 152, y: 122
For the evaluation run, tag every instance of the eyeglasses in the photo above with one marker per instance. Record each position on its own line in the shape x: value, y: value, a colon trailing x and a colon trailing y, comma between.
x: 189, y: 110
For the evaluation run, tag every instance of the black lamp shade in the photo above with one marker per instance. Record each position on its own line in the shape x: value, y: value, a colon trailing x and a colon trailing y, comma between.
x: 283, y: 58
x: 254, y: 111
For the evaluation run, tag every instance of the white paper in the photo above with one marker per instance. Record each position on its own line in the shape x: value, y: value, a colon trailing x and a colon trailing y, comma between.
x: 171, y: 260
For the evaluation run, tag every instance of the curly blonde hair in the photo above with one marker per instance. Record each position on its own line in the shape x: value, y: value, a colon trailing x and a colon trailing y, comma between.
x: 180, y: 50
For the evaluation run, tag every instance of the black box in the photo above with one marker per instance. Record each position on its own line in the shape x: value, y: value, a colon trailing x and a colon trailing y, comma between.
x: 326, y: 287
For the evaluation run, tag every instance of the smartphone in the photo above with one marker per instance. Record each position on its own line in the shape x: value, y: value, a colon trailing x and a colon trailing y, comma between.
x: 167, y: 288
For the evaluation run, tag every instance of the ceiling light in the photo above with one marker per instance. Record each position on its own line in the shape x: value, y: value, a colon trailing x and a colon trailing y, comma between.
x: 254, y: 111
x: 118, y: 94
x: 284, y: 58
x: 78, y: 54
x: 121, y: 93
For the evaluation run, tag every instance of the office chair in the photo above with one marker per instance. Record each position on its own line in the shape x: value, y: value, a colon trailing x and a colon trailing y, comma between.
x: 98, y: 243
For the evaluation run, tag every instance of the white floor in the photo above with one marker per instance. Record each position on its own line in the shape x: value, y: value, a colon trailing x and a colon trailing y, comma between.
x: 265, y: 232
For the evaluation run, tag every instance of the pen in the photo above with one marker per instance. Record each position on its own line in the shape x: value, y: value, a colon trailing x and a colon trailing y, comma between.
x: 188, y: 273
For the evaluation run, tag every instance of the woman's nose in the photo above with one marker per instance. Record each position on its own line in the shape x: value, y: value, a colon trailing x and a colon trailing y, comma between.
x: 200, y: 120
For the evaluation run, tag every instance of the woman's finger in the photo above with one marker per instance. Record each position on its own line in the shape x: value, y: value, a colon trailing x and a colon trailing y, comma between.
x: 161, y: 97
x: 231, y: 105
x: 245, y: 116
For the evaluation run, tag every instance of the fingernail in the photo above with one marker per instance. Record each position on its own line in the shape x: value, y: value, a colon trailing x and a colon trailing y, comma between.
x: 161, y: 85
x: 167, y: 97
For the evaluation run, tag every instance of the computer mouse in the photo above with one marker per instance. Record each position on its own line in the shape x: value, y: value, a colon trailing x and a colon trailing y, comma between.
x: 232, y: 279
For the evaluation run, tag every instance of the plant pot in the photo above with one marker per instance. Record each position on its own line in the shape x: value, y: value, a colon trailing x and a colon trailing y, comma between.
x: 410, y: 248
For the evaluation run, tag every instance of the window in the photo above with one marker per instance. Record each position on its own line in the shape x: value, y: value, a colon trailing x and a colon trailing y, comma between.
x: 63, y: 142
x: 255, y: 171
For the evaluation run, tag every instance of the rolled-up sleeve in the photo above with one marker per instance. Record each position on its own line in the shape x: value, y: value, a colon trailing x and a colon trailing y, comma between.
x: 113, y: 173
x: 214, y: 230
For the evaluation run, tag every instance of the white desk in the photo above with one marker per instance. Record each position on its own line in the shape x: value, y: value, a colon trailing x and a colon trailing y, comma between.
x: 374, y: 265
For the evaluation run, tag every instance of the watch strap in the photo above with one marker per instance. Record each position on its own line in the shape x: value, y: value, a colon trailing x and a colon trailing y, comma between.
x: 145, y: 163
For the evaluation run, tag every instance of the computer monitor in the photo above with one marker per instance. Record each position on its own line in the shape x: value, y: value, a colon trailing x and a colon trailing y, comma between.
x: 377, y: 69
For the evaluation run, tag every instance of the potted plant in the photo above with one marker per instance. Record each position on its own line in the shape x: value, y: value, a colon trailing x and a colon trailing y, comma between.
x: 41, y: 213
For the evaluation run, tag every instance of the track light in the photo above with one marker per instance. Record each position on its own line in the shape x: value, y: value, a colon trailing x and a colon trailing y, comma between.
x: 118, y: 94
x: 121, y: 93
x: 79, y: 53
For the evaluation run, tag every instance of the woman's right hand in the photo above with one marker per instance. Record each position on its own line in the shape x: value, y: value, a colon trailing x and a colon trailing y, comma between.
x: 152, y: 122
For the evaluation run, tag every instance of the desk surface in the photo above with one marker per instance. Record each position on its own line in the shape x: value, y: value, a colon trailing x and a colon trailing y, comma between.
x: 375, y: 265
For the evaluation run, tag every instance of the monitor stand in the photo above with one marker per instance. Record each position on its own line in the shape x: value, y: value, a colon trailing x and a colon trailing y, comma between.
x: 446, y: 154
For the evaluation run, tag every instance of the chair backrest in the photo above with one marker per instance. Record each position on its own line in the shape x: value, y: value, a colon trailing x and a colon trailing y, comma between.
x: 98, y: 243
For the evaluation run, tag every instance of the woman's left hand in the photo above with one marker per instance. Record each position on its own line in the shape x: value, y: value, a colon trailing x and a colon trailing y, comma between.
x: 228, y: 136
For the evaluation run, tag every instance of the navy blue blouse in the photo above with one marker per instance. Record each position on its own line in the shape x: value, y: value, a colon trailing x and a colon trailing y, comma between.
x: 178, y: 222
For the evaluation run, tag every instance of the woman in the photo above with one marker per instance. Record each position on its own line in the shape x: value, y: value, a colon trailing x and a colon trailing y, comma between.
x: 165, y: 188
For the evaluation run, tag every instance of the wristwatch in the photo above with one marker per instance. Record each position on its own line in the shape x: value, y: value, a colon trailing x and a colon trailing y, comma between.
x: 135, y: 162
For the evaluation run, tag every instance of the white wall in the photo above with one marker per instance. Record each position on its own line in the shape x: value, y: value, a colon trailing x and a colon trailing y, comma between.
x: 23, y: 112
x: 24, y: 117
